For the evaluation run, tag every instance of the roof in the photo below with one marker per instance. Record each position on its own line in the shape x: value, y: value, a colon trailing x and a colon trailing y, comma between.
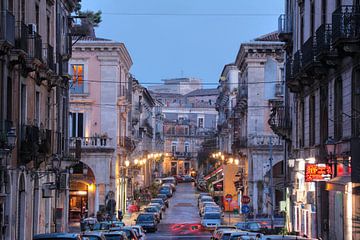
x: 203, y: 92
x: 94, y: 39
x: 269, y: 37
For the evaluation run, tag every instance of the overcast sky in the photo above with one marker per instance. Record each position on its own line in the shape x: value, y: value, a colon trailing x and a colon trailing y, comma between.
x: 184, y: 38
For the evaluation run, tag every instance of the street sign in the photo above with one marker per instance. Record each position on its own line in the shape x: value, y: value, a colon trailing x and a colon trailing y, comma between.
x: 228, y: 197
x: 245, y: 209
x: 245, y: 199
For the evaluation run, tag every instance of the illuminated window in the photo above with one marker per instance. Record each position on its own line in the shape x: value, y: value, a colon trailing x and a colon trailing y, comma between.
x: 77, y: 83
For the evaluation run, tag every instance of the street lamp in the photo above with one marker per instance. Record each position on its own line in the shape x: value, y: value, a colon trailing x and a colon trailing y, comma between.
x: 11, y: 138
x: 127, y: 163
x: 330, y: 146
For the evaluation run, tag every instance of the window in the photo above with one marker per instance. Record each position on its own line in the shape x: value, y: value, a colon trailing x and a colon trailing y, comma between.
x: 302, y: 29
x: 77, y: 72
x: 77, y: 124
x: 312, y: 120
x: 48, y: 112
x: 312, y: 18
x: 338, y: 109
x: 301, y: 124
x: 356, y: 103
x: 9, y: 95
x: 23, y: 104
x: 37, y: 109
x: 338, y: 3
x: 323, y: 11
x: 37, y: 16
x: 323, y: 114
x: 187, y: 147
x: 201, y: 122
x: 173, y: 147
x: 186, y: 131
x: 48, y: 29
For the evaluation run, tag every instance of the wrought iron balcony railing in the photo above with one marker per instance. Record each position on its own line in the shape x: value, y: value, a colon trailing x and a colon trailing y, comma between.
x: 21, y: 37
x: 346, y: 23
x: 324, y: 39
x: 7, y: 28
x: 91, y: 142
x: 289, y: 69
x: 297, y: 64
x: 284, y: 24
x: 35, y: 46
x: 280, y: 121
x: 49, y: 55
x: 309, y: 52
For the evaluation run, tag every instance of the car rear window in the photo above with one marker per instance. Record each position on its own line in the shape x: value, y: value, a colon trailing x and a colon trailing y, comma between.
x: 145, y: 218
x: 212, y: 216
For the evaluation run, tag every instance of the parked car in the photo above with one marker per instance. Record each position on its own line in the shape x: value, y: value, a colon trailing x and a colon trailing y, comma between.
x: 155, y: 210
x: 147, y: 221
x: 93, y: 236
x: 249, y: 226
x: 164, y: 198
x: 160, y: 201
x: 140, y: 232
x: 209, y: 208
x: 166, y: 190
x: 283, y: 237
x: 171, y: 185
x: 179, y: 179
x: 204, y: 200
x: 169, y: 180
x: 57, y: 236
x: 220, y: 228
x: 158, y: 205
x: 130, y: 233
x: 211, y: 220
x: 115, y: 235
x: 188, y: 178
x: 242, y: 235
x: 224, y: 234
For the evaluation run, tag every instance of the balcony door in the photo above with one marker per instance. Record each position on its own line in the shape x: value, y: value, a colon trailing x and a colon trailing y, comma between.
x: 76, y: 124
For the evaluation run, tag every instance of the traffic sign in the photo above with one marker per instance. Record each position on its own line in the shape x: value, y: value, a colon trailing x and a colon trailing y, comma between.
x: 228, y: 197
x: 245, y: 199
x: 245, y: 209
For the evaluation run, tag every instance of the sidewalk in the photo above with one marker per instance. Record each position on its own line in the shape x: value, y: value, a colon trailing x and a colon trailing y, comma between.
x: 234, y: 218
x: 129, y: 218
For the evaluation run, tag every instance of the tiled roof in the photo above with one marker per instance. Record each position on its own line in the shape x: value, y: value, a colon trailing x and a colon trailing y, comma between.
x: 203, y: 92
x: 269, y: 37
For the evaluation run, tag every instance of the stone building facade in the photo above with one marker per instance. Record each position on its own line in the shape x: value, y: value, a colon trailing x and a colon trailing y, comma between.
x: 34, y: 52
x: 100, y: 106
x: 322, y: 75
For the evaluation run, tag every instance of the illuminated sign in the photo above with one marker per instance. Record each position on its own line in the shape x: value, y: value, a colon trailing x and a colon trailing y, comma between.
x: 317, y: 172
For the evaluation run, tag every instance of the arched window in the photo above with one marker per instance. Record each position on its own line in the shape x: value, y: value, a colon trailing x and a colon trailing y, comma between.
x: 21, y: 209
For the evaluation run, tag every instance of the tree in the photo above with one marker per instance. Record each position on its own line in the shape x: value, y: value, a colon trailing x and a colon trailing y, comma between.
x: 92, y: 17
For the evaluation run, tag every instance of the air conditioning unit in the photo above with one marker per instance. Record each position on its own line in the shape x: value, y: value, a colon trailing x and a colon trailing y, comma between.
x: 32, y: 28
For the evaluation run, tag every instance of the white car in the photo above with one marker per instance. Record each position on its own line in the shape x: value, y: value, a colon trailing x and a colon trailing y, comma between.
x: 140, y: 232
x: 211, y: 220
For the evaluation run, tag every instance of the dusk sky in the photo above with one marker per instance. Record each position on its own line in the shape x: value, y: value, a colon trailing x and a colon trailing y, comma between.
x: 184, y: 38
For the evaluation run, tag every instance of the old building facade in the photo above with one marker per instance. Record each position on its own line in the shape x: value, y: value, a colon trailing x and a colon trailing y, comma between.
x: 35, y: 46
x: 100, y: 106
x: 322, y: 75
x: 259, y: 149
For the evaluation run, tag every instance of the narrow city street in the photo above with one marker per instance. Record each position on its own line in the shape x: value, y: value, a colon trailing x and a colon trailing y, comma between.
x: 181, y: 220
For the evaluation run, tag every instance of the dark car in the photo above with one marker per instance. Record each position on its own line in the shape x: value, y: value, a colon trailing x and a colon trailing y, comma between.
x: 147, y: 221
x: 166, y: 190
x: 188, y: 178
x: 118, y: 235
x: 164, y: 198
x: 248, y: 226
x: 178, y: 178
x: 159, y: 201
x: 57, y: 236
x: 152, y: 209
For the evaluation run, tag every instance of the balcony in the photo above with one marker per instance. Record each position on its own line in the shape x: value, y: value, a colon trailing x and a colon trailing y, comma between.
x: 280, y: 121
x: 127, y: 143
x: 29, y: 143
x: 48, y: 55
x: 92, y: 144
x: 240, y: 142
x: 346, y: 29
x: 297, y: 63
x: 21, y: 37
x: 310, y: 66
x: 182, y: 154
x: 285, y: 28
x: 7, y: 30
x: 35, y: 46
x: 264, y: 141
x: 325, y: 53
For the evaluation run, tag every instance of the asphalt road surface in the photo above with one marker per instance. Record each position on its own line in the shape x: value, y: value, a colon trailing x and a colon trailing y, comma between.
x: 181, y: 220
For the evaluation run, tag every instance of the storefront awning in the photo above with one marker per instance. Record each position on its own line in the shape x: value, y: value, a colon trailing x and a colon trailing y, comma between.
x: 338, y: 183
x: 210, y: 175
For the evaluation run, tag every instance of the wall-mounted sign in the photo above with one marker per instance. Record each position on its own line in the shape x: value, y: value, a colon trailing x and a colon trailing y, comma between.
x: 317, y: 172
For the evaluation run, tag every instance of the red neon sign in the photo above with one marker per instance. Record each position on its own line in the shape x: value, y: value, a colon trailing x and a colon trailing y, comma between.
x: 317, y: 172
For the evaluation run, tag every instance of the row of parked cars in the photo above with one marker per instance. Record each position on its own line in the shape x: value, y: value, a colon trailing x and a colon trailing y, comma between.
x: 146, y: 221
x: 211, y: 219
x: 151, y: 215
